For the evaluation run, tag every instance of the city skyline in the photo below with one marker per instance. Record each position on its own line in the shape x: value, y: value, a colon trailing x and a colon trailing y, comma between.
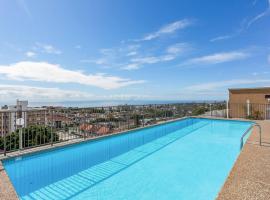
x: 127, y: 50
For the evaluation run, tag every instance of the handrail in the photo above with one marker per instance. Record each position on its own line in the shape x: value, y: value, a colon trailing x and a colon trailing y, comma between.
x: 246, y: 132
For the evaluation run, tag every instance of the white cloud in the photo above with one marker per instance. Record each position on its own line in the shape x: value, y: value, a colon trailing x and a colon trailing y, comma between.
x: 137, y: 63
x: 30, y: 54
x: 146, y: 60
x: 99, y: 61
x: 24, y: 7
x: 11, y: 92
x: 172, y: 52
x: 46, y: 72
x: 261, y: 15
x: 245, y: 24
x: 47, y: 48
x: 178, y: 48
x: 227, y: 83
x: 37, y: 93
x: 131, y: 66
x: 78, y: 47
x: 254, y: 2
x: 132, y: 53
x: 168, y: 29
x: 223, y: 37
x: 218, y: 58
x: 130, y: 56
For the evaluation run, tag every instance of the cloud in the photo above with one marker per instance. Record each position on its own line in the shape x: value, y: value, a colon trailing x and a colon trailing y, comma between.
x: 137, y: 63
x: 245, y: 24
x: 78, y: 47
x: 217, y: 58
x: 261, y: 15
x: 132, y: 53
x: 24, y: 7
x: 11, y: 92
x: 223, y: 37
x: 114, y: 57
x: 227, y: 83
x: 178, y: 48
x: 47, y: 48
x: 168, y: 29
x: 30, y: 54
x: 254, y: 2
x: 171, y: 53
x: 131, y: 56
x: 46, y: 72
x: 132, y: 66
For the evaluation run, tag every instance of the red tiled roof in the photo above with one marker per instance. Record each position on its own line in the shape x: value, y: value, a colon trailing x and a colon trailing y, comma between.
x: 86, y: 127
x: 103, y: 130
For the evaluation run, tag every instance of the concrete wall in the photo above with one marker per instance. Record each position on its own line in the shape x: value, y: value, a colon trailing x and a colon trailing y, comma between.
x: 258, y: 103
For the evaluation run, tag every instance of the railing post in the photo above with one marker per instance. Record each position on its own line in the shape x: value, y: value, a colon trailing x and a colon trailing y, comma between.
x: 210, y: 109
x: 155, y: 111
x: 143, y: 119
x: 227, y: 108
x: 260, y: 132
x: 52, y: 118
x: 20, y: 138
x: 4, y: 134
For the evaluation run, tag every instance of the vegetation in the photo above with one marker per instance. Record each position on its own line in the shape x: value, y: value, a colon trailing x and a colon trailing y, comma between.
x: 32, y: 136
x: 256, y: 115
x: 199, y: 110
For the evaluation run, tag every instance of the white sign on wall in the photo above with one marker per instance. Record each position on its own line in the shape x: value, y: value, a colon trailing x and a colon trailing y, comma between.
x: 20, y: 121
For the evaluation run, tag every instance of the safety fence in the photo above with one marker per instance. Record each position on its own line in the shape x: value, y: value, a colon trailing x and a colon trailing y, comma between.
x: 23, y: 129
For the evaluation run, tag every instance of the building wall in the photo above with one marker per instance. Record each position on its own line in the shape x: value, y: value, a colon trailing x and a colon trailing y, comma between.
x: 31, y: 117
x: 258, y: 104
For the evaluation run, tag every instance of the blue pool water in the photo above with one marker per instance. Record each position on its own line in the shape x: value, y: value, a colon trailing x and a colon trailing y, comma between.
x: 186, y: 159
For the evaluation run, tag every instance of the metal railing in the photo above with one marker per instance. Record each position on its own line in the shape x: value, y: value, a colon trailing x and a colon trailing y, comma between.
x: 23, y: 129
x: 249, y: 111
x: 247, y: 131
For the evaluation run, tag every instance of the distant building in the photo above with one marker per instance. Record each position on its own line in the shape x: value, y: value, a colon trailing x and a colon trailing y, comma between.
x: 20, y: 115
x: 249, y: 102
x: 59, y: 120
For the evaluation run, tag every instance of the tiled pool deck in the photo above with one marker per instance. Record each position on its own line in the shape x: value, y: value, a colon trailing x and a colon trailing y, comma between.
x: 249, y: 178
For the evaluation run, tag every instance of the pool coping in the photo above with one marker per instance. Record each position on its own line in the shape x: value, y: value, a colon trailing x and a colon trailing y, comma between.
x: 9, y: 191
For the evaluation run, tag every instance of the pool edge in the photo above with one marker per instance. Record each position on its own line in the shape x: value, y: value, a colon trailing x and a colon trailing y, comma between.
x: 248, y: 176
x: 7, y: 190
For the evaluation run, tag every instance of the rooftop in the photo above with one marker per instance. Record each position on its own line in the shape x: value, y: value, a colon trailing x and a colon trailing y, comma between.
x: 258, y: 89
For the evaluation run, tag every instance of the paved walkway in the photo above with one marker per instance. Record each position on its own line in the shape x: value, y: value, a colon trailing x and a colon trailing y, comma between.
x: 250, y: 176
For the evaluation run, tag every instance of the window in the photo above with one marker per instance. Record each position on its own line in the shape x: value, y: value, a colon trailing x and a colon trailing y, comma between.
x: 267, y: 97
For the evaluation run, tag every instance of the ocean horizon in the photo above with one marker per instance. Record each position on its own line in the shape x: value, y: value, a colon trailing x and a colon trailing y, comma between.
x: 104, y: 103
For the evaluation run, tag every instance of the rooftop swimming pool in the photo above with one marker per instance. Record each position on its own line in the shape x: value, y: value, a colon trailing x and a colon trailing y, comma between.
x: 186, y: 159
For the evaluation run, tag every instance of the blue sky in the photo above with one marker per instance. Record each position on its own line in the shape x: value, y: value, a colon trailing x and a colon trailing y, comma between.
x: 156, y: 50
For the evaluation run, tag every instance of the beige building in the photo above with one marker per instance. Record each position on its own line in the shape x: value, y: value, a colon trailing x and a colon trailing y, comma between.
x: 249, y: 102
x: 20, y: 115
